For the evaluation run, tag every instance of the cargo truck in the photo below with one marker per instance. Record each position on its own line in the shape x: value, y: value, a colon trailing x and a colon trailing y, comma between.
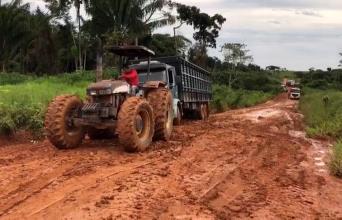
x: 190, y: 84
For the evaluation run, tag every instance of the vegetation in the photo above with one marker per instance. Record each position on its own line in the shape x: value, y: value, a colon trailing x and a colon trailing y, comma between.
x: 23, y: 105
x: 226, y: 98
x: 336, y: 160
x: 323, y: 112
x: 323, y: 116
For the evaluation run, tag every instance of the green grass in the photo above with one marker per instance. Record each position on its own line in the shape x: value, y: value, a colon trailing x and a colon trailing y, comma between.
x: 322, y: 118
x: 23, y: 100
x: 336, y: 160
x: 225, y: 98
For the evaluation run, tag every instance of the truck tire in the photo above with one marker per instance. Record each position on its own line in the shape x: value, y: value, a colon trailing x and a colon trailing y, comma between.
x: 178, y: 120
x: 203, y: 112
x: 96, y: 134
x: 58, y: 124
x: 161, y: 101
x: 135, y: 124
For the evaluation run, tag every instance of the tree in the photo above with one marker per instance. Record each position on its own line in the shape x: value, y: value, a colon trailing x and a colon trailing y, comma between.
x: 340, y: 60
x: 198, y: 55
x: 206, y: 27
x: 59, y: 7
x: 162, y: 44
x: 123, y: 21
x: 235, y: 53
x: 13, y: 29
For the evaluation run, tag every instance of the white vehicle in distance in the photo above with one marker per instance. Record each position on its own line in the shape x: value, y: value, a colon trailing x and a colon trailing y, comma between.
x: 294, y: 93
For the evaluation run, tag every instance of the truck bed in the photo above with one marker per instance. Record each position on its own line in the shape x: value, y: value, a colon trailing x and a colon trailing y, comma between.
x: 194, y: 83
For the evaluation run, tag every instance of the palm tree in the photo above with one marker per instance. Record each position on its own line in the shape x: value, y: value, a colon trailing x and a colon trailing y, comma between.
x: 60, y: 7
x: 13, y: 22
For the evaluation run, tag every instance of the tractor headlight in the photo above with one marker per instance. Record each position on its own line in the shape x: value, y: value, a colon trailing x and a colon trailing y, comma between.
x: 92, y: 92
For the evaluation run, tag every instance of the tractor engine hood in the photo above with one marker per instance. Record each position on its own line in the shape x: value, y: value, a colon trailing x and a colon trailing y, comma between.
x: 107, y: 87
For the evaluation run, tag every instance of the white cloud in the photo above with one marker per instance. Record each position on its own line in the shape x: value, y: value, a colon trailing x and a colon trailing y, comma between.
x: 297, y: 34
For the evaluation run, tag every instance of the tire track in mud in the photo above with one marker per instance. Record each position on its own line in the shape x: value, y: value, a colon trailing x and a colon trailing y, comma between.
x: 235, y: 166
x: 35, y: 187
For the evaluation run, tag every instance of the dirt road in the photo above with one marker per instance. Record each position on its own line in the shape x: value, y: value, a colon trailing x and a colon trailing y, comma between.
x: 242, y: 164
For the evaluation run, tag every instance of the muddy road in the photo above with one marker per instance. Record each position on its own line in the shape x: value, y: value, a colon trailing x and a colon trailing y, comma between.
x: 242, y: 164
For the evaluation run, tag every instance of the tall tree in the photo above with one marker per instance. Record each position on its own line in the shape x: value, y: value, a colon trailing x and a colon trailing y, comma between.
x: 236, y: 54
x: 13, y: 28
x: 206, y: 27
x: 340, y: 60
x: 60, y: 7
x: 123, y: 21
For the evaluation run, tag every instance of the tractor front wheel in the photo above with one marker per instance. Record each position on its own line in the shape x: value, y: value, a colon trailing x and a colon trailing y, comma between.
x: 135, y: 124
x: 59, y: 126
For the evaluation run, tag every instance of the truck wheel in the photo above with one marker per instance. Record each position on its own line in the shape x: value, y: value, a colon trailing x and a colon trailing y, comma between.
x: 161, y: 101
x: 96, y: 134
x: 205, y: 110
x: 59, y: 127
x: 178, y: 119
x: 135, y: 124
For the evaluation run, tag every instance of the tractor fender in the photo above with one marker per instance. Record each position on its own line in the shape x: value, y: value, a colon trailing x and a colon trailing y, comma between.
x: 154, y: 85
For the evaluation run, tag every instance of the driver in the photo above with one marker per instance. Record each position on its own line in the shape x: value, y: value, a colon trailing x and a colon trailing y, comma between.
x: 130, y: 76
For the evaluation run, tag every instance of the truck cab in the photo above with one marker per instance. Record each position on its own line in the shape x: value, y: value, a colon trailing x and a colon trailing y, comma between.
x: 159, y: 72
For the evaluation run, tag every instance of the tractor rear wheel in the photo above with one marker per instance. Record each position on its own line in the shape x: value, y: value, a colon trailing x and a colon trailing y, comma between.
x: 135, y: 124
x: 59, y: 126
x: 161, y: 101
x: 96, y: 134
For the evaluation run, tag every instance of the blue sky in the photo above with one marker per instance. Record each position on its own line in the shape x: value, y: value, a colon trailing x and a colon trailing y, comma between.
x: 296, y: 34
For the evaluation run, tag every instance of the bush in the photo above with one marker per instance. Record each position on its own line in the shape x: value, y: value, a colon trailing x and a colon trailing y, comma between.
x: 253, y: 81
x: 323, y: 112
x: 336, y: 160
x: 225, y: 98
x: 13, y: 78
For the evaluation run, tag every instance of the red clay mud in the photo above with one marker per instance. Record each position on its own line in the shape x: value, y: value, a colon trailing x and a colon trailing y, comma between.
x: 242, y: 164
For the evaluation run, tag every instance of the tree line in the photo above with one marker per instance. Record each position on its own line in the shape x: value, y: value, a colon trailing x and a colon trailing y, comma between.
x: 49, y: 41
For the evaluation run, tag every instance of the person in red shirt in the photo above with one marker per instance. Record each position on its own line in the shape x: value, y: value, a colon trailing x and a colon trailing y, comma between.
x: 130, y: 75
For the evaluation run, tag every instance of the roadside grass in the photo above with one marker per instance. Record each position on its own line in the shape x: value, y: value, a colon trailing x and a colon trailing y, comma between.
x: 225, y: 98
x: 23, y: 104
x: 336, y: 160
x: 323, y: 116
x: 24, y: 99
x: 323, y: 112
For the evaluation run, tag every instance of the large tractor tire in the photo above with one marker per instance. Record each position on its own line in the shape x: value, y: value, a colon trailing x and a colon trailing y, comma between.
x: 97, y: 134
x: 161, y: 101
x: 58, y: 122
x: 135, y: 124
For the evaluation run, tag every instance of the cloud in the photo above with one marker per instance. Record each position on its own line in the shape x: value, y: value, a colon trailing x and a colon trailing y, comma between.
x: 308, y: 13
x: 274, y: 22
x: 322, y: 4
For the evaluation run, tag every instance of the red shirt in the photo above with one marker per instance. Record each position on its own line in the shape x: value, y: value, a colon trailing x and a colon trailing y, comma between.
x: 131, y: 76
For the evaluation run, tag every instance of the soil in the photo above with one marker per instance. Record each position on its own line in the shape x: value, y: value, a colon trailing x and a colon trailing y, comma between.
x: 253, y: 163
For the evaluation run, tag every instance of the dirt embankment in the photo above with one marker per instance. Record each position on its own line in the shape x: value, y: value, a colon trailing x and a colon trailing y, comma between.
x: 249, y: 163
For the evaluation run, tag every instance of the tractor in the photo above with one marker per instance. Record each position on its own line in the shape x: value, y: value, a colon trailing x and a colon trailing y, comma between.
x: 113, y: 107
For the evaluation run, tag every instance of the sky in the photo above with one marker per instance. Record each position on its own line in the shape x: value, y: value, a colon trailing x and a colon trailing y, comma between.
x: 295, y: 34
